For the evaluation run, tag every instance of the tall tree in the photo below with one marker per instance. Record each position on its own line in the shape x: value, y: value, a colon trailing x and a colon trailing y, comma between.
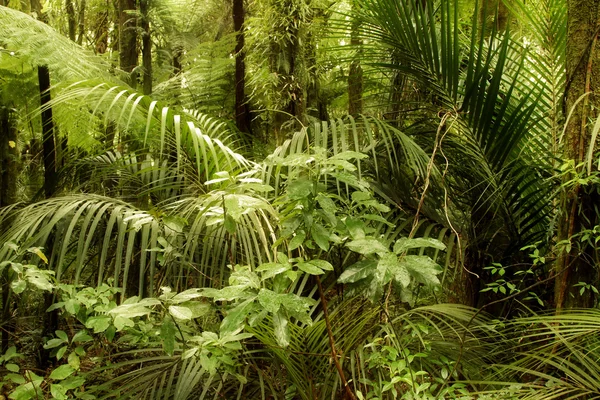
x: 578, y: 203
x: 355, y: 75
x: 242, y: 115
x: 128, y: 52
x: 70, y: 9
x: 146, y: 47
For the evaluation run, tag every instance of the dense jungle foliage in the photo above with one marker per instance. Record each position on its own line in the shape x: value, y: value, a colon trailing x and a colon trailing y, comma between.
x: 299, y: 199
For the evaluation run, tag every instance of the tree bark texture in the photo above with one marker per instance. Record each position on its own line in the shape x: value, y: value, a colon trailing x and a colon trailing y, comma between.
x: 146, y: 47
x: 49, y: 145
x: 9, y: 157
x: 128, y: 52
x: 81, y: 22
x: 242, y: 116
x: 579, y: 203
x: 70, y: 8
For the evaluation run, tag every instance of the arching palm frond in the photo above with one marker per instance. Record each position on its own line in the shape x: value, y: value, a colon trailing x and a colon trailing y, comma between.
x: 42, y: 45
x: 487, y: 129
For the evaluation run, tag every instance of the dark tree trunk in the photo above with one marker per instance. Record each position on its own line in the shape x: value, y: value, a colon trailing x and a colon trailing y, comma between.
x: 81, y: 22
x: 9, y: 162
x: 49, y: 145
x: 71, y: 18
x: 101, y: 33
x: 146, y: 47
x: 242, y: 115
x: 128, y: 53
x: 578, y: 203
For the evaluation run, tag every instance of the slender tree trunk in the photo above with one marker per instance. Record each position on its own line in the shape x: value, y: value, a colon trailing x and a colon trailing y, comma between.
x: 146, y: 47
x: 49, y: 144
x: 71, y: 18
x: 9, y: 162
x: 81, y: 22
x: 578, y: 203
x: 242, y: 116
x: 128, y: 53
x: 355, y: 75
x: 101, y: 33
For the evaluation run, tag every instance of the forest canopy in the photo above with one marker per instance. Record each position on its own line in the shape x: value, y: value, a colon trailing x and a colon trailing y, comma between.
x: 294, y: 199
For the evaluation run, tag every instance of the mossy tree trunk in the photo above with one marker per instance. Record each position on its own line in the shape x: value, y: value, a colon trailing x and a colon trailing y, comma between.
x: 579, y: 203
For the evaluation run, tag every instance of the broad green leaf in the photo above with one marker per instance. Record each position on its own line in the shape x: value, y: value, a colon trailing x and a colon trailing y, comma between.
x: 321, y: 236
x: 186, y: 295
x: 73, y: 360
x: 12, y: 367
x: 122, y: 322
x: 61, y: 352
x: 297, y: 240
x: 16, y: 378
x: 99, y: 323
x: 404, y: 244
x: 358, y: 271
x: 18, y: 286
x: 299, y: 189
x: 59, y: 392
x: 325, y: 265
x: 235, y: 318
x: 270, y: 300
x: 310, y: 268
x: 52, y: 343
x: 73, y: 382
x: 355, y: 227
x: 62, y: 372
x: 182, y: 313
x: 167, y: 334
x: 367, y: 246
x: 270, y: 270
x: 422, y: 268
x: 243, y: 276
x: 175, y: 223
x: 81, y: 337
x: 282, y: 331
x: 62, y: 335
